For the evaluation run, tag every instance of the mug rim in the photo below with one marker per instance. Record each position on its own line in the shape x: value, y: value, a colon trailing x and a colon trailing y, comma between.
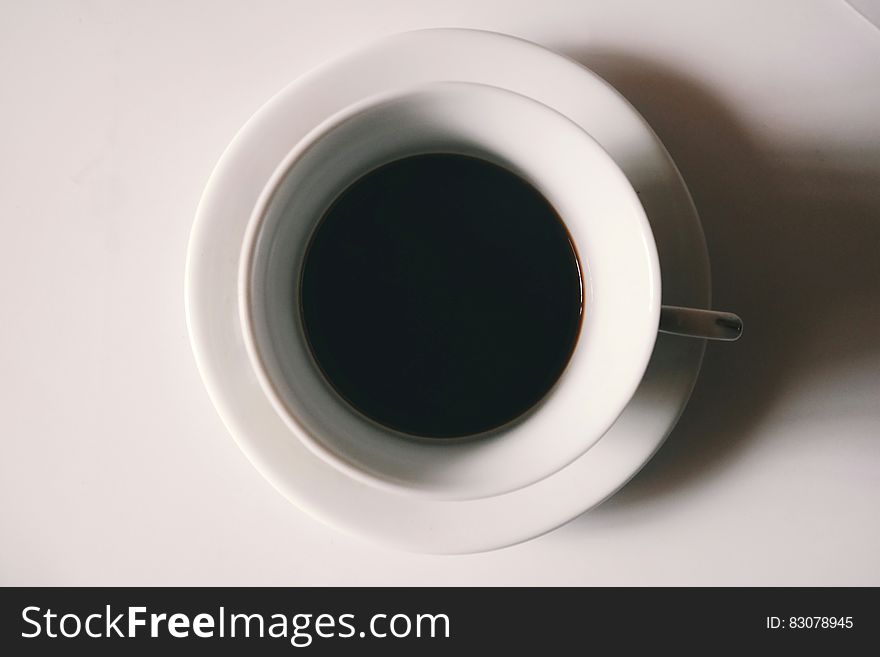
x: 256, y: 223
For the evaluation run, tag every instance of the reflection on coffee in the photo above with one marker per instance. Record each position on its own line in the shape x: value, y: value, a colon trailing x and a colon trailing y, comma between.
x: 441, y: 295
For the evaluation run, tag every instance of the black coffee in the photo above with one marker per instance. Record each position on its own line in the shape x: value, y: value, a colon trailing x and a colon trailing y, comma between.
x: 441, y: 295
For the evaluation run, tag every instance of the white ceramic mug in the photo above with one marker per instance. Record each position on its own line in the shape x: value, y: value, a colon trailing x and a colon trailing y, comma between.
x: 609, y: 229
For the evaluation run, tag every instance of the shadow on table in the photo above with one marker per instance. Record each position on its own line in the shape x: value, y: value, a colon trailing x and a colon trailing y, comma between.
x: 794, y: 242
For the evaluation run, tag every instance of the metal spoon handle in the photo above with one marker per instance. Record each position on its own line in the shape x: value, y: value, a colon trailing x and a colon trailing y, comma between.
x: 694, y: 323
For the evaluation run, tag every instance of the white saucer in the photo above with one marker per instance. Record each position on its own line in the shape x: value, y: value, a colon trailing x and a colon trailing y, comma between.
x: 413, y: 522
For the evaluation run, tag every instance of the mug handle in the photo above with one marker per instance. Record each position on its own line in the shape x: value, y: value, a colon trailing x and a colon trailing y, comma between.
x: 695, y: 323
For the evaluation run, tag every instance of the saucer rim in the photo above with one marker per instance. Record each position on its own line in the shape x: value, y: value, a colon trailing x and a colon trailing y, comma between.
x: 452, y: 526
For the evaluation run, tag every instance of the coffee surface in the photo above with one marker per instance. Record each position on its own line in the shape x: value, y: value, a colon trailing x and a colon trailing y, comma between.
x: 441, y: 295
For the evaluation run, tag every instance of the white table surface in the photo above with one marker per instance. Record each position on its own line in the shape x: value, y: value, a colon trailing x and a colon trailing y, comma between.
x: 115, y: 468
